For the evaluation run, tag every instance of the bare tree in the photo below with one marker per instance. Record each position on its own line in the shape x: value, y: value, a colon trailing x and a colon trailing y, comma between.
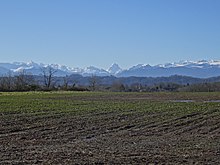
x: 7, y: 82
x: 23, y: 81
x: 48, y: 73
x: 65, y: 82
x: 118, y: 86
x: 20, y: 82
x: 93, y: 82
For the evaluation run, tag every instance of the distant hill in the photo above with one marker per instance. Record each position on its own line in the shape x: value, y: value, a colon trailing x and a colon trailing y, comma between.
x: 109, y: 80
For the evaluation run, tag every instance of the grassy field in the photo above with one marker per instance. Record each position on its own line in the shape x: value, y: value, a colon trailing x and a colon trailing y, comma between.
x: 109, y: 128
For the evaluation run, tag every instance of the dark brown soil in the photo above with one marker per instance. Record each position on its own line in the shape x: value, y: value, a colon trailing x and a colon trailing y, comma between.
x: 110, y: 138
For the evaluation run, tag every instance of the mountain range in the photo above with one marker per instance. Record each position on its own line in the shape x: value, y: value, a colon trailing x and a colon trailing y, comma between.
x: 199, y: 69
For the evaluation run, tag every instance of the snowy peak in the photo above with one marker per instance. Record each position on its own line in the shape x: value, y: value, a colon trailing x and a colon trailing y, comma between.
x: 192, y: 64
x: 114, y: 69
x: 187, y: 64
x: 140, y: 66
x: 93, y: 71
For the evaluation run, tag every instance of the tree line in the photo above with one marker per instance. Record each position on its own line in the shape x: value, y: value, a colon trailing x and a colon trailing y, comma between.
x: 27, y: 82
x: 49, y: 82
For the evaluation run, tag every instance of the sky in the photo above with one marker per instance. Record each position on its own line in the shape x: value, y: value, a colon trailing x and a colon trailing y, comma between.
x: 81, y: 33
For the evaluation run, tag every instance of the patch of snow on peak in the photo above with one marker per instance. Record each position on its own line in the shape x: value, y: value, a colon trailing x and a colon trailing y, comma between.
x: 140, y: 66
x: 91, y: 70
x: 114, y: 69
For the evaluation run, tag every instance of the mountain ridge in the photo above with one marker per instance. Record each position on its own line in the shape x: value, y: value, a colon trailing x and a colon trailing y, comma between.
x: 200, y: 69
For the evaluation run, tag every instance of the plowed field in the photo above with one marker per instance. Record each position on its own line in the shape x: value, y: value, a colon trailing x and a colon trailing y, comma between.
x: 109, y: 128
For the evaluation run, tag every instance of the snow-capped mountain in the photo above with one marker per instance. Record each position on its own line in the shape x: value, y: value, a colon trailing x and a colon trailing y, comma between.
x: 89, y: 71
x: 200, y: 69
x: 37, y: 69
x: 114, y: 69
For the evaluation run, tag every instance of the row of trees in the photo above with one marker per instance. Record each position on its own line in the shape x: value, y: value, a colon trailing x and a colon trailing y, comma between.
x: 19, y: 82
x: 26, y: 82
x: 48, y: 81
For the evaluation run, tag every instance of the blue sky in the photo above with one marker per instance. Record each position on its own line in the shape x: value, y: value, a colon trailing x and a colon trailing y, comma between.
x: 80, y: 33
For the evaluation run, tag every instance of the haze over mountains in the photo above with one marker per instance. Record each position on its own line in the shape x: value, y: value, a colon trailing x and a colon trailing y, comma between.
x: 199, y: 69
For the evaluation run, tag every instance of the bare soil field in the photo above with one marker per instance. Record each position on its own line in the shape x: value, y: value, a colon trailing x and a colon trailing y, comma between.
x: 111, y: 128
